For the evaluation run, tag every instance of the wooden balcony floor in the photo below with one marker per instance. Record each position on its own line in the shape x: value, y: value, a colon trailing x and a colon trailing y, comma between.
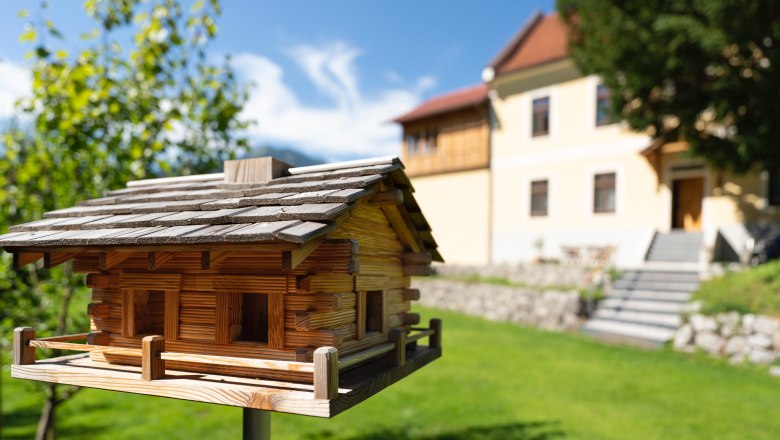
x: 355, y: 385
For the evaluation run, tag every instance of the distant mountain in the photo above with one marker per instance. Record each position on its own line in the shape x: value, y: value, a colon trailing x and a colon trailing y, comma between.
x: 285, y: 154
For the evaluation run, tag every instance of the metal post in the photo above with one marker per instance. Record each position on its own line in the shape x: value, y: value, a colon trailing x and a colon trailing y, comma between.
x: 257, y: 424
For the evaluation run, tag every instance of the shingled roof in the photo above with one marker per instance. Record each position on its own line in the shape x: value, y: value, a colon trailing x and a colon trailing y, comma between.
x: 306, y: 203
x: 542, y: 40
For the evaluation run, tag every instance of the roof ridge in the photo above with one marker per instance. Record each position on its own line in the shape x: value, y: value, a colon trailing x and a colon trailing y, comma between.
x: 382, y: 160
x: 176, y: 179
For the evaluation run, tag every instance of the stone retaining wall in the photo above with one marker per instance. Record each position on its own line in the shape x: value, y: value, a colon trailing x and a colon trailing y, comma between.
x: 526, y: 274
x: 535, y: 307
x: 741, y: 338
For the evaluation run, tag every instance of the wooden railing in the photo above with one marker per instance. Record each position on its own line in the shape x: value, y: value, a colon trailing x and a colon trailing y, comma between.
x: 325, y: 367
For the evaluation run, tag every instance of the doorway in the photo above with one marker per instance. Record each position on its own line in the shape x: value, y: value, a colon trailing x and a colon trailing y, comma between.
x: 687, y: 195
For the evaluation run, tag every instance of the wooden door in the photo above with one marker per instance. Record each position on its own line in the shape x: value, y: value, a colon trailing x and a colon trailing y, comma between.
x: 687, y: 197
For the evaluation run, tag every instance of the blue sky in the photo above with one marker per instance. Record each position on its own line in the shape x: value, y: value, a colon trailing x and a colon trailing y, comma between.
x: 328, y: 75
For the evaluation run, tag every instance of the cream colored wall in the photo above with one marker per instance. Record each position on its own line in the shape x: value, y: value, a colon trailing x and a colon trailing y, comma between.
x: 457, y: 207
x: 569, y: 157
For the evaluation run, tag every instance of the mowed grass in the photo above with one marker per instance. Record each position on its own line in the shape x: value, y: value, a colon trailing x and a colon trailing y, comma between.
x: 495, y: 381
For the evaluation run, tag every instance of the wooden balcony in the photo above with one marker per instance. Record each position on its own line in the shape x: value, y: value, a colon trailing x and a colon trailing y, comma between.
x: 337, y: 383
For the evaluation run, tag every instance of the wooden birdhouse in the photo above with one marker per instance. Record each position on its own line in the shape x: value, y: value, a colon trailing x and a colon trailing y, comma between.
x: 266, y: 286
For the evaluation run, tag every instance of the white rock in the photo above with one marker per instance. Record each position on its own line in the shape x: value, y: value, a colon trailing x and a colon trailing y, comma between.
x: 735, y: 345
x: 683, y: 336
x: 703, y: 323
x: 765, y: 325
x: 729, y: 323
x: 776, y: 340
x: 710, y: 342
x: 774, y: 371
x: 759, y: 356
x: 747, y: 323
x: 759, y: 340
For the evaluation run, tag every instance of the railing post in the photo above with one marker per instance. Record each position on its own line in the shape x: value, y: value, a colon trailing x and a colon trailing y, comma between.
x: 434, y: 341
x: 23, y: 353
x: 398, y: 355
x: 152, y: 366
x: 326, y: 373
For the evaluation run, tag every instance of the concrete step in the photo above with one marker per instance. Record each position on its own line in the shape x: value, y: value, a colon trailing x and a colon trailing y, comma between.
x: 638, y: 305
x: 657, y: 275
x: 673, y: 258
x: 654, y: 319
x: 671, y: 267
x: 650, y: 295
x: 666, y: 286
x: 628, y: 332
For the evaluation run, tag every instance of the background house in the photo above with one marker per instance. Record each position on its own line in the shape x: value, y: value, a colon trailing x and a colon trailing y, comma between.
x: 563, y: 174
x: 447, y: 154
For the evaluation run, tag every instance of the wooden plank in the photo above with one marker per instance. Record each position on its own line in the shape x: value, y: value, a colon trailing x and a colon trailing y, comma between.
x: 357, y: 384
x: 98, y: 338
x: 222, y: 326
x: 152, y: 366
x: 397, y: 356
x: 156, y: 259
x: 297, y: 256
x: 157, y: 281
x: 416, y: 259
x: 403, y: 226
x: 107, y: 260
x: 419, y: 335
x: 435, y: 339
x: 98, y: 281
x: 212, y: 259
x: 98, y: 310
x: 319, y: 302
x: 128, y: 315
x: 326, y: 373
x: 54, y: 259
x: 361, y: 314
x: 388, y: 197
x: 265, y: 364
x: 303, y: 232
x: 24, y: 258
x: 421, y: 270
x: 365, y: 355
x: 411, y: 318
x: 411, y: 294
x: 24, y: 354
x: 276, y: 320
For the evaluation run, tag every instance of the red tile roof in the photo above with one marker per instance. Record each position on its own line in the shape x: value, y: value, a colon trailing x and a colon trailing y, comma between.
x: 458, y: 99
x: 542, y: 40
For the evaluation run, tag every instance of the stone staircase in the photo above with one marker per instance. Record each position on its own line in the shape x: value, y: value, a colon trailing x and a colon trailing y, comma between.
x: 644, y: 304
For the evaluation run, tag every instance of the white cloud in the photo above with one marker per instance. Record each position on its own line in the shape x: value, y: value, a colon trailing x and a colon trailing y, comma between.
x: 352, y: 124
x: 15, y: 82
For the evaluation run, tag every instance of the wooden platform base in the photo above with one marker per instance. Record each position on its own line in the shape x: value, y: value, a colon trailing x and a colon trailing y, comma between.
x: 355, y: 385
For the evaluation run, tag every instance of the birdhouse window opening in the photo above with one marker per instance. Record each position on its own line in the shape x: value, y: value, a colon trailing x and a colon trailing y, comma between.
x: 374, y: 307
x: 254, y: 318
x: 146, y: 312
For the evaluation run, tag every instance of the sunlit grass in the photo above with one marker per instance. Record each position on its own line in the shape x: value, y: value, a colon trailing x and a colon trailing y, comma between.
x: 495, y: 381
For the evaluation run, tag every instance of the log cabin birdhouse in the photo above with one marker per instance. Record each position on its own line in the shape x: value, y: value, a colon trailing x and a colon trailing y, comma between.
x: 266, y: 286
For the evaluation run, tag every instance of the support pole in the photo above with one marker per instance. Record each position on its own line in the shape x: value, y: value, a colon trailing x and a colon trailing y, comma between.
x: 257, y: 424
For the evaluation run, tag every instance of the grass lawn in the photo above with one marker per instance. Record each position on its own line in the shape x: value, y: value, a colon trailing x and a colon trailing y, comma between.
x: 495, y: 381
x: 755, y: 290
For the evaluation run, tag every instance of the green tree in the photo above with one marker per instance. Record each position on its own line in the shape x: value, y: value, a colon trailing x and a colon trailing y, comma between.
x: 100, y: 117
x: 702, y: 71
